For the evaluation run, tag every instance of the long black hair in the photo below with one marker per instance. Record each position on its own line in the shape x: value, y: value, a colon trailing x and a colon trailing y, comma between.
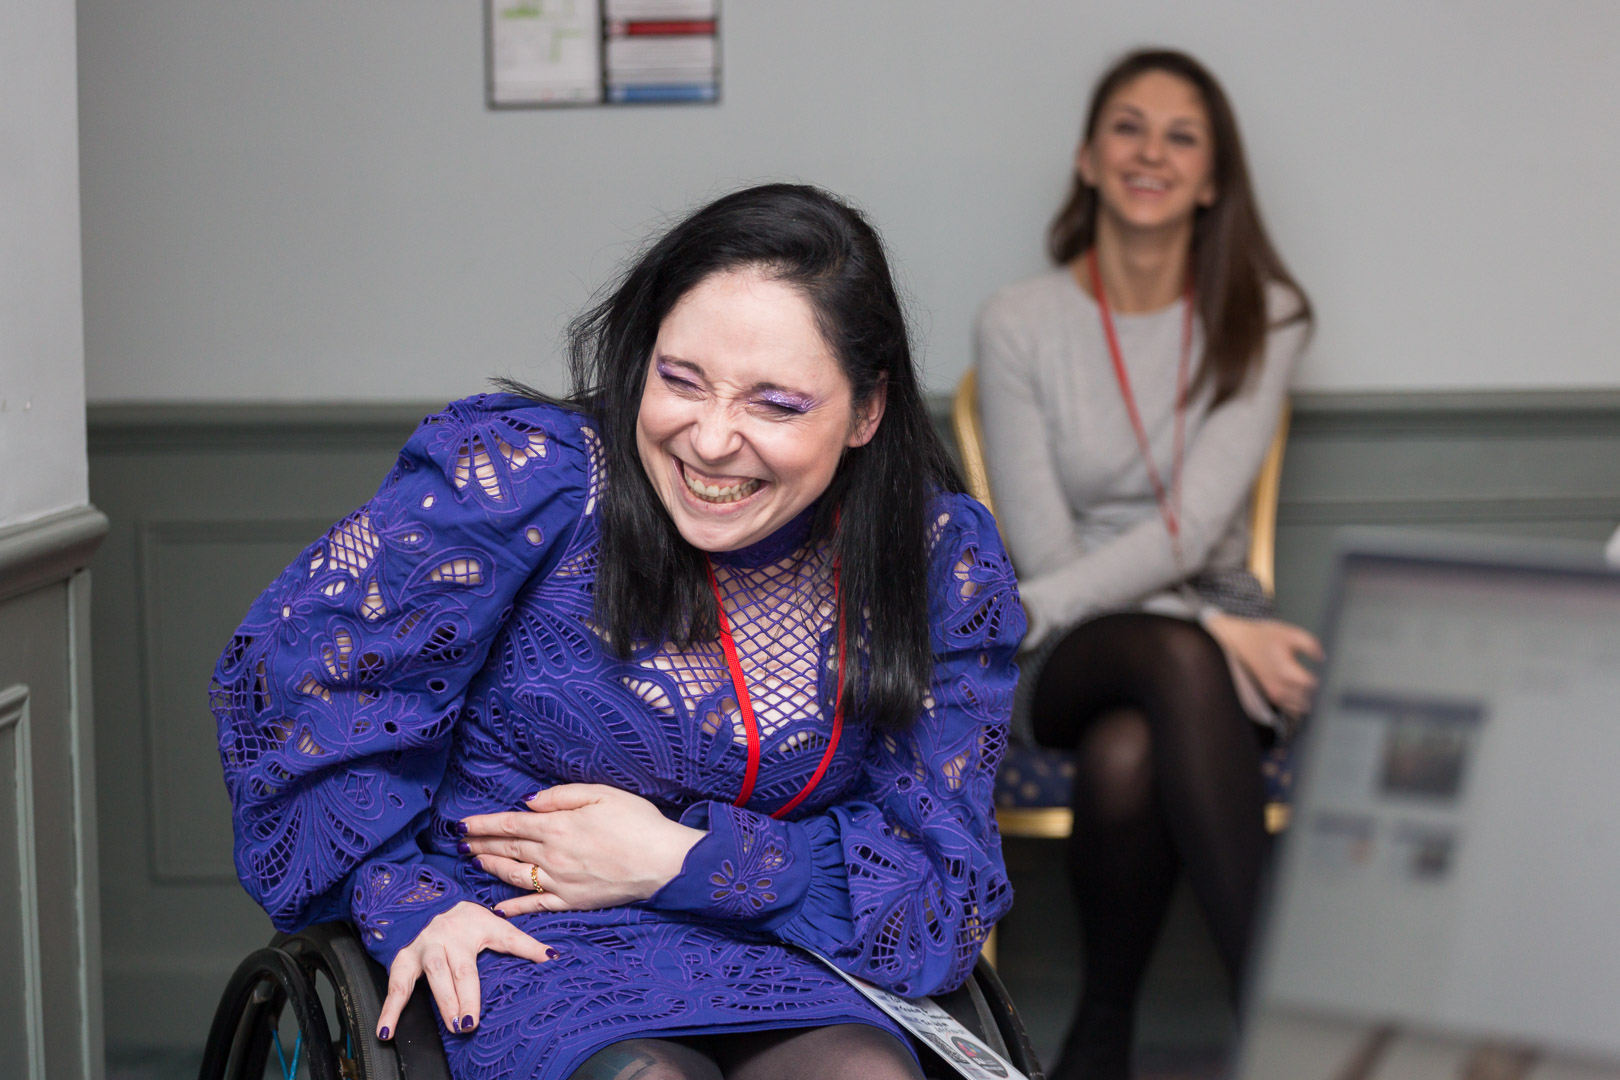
x: 1232, y: 254
x: 652, y: 584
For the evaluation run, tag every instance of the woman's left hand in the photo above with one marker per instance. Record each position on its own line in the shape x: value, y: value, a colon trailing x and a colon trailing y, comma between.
x: 1272, y: 651
x: 588, y: 846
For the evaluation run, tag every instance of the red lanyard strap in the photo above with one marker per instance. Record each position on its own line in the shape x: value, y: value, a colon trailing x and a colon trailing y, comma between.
x: 1169, y: 501
x: 728, y: 643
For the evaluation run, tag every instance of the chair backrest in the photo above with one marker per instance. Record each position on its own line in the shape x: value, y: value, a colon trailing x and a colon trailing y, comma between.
x: 1262, y: 503
x: 970, y: 438
x: 1263, y: 506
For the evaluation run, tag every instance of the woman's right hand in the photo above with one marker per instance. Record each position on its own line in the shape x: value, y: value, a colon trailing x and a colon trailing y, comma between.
x: 1271, y: 650
x: 446, y: 951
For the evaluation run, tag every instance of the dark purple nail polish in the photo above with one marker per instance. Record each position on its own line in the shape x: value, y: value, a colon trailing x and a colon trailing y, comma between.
x: 455, y: 1025
x: 464, y: 847
x: 384, y: 1033
x: 552, y: 954
x: 501, y: 913
x: 460, y: 828
x: 467, y: 1022
x: 533, y: 797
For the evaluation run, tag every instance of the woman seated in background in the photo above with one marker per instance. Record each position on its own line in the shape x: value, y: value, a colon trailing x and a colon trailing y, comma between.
x: 603, y: 715
x: 1128, y: 398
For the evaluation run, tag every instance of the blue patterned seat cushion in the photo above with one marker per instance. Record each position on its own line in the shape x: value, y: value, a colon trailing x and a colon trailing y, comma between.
x: 1277, y: 771
x: 1033, y: 776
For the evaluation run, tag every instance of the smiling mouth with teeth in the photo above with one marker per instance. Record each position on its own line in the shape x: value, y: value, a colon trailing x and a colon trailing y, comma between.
x: 714, y: 493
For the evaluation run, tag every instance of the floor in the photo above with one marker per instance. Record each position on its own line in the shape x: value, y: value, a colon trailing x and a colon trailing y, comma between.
x: 1184, y: 1033
x: 153, y: 1063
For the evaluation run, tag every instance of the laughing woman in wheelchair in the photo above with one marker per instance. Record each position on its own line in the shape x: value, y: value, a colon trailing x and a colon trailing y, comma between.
x: 605, y: 715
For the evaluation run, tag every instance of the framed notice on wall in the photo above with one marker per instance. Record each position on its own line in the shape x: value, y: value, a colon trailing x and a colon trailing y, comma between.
x: 602, y: 52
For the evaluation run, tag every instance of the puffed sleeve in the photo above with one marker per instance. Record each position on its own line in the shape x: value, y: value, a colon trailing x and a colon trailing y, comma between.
x: 901, y: 883
x: 337, y: 697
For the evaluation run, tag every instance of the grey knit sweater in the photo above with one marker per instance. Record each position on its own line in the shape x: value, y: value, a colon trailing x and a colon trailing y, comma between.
x: 1073, y: 498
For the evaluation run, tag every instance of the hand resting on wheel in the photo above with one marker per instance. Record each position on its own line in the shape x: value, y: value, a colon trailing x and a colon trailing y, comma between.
x: 446, y: 951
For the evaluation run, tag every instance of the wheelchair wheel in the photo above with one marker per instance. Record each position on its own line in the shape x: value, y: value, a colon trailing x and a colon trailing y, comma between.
x: 270, y: 1023
x: 983, y: 1007
x: 1003, y: 1016
x: 305, y: 1008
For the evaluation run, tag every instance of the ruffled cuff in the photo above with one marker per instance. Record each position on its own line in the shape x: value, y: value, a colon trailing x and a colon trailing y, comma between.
x: 825, y: 920
x: 748, y: 868
x: 391, y: 903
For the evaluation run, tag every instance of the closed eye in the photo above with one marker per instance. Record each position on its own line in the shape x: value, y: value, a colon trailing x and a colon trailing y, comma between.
x: 783, y: 408
x: 677, y: 383
x: 779, y: 401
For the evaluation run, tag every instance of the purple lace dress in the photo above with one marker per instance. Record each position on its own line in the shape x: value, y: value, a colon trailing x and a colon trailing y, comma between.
x: 433, y: 656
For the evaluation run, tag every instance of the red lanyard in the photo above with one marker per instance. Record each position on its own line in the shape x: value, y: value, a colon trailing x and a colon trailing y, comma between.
x: 729, y: 644
x: 1169, y: 502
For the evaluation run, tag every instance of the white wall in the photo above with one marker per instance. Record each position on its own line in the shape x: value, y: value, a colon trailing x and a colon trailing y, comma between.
x: 306, y: 199
x: 42, y: 458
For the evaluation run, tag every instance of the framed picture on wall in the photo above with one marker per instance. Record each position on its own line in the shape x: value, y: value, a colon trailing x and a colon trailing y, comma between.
x: 544, y: 53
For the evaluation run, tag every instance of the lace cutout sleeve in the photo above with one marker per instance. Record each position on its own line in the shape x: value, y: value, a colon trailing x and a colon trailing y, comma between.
x: 337, y: 696
x: 900, y: 884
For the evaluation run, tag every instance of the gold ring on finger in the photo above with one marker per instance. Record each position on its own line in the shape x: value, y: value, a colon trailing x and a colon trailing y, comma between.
x: 534, y: 876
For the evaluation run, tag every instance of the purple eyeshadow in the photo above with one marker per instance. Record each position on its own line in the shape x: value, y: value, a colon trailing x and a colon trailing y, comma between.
x: 781, y: 399
x: 787, y: 401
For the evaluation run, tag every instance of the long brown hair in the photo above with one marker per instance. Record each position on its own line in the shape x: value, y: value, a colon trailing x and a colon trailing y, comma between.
x: 1232, y: 257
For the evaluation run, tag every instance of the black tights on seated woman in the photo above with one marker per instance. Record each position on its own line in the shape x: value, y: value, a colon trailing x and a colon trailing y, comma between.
x: 820, y: 1053
x: 1167, y: 779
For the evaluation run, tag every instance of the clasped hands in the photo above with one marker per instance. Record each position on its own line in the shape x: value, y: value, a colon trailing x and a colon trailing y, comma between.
x: 587, y: 845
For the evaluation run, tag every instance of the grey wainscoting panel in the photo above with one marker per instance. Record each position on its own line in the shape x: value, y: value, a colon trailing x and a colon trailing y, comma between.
x: 22, y: 1040
x: 192, y: 578
x: 50, y: 948
x: 1523, y: 464
x: 208, y: 503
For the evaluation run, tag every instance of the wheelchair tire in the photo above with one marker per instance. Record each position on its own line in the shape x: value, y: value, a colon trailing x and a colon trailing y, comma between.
x: 1015, y: 1044
x: 359, y: 984
x: 333, y: 950
x: 289, y: 972
x: 264, y: 983
x: 982, y: 1006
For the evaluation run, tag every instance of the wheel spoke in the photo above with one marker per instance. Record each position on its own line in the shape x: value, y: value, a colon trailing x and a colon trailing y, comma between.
x: 281, y: 1057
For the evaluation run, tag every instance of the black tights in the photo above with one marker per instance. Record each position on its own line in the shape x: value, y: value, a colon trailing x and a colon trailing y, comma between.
x: 1167, y: 778
x: 819, y: 1053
